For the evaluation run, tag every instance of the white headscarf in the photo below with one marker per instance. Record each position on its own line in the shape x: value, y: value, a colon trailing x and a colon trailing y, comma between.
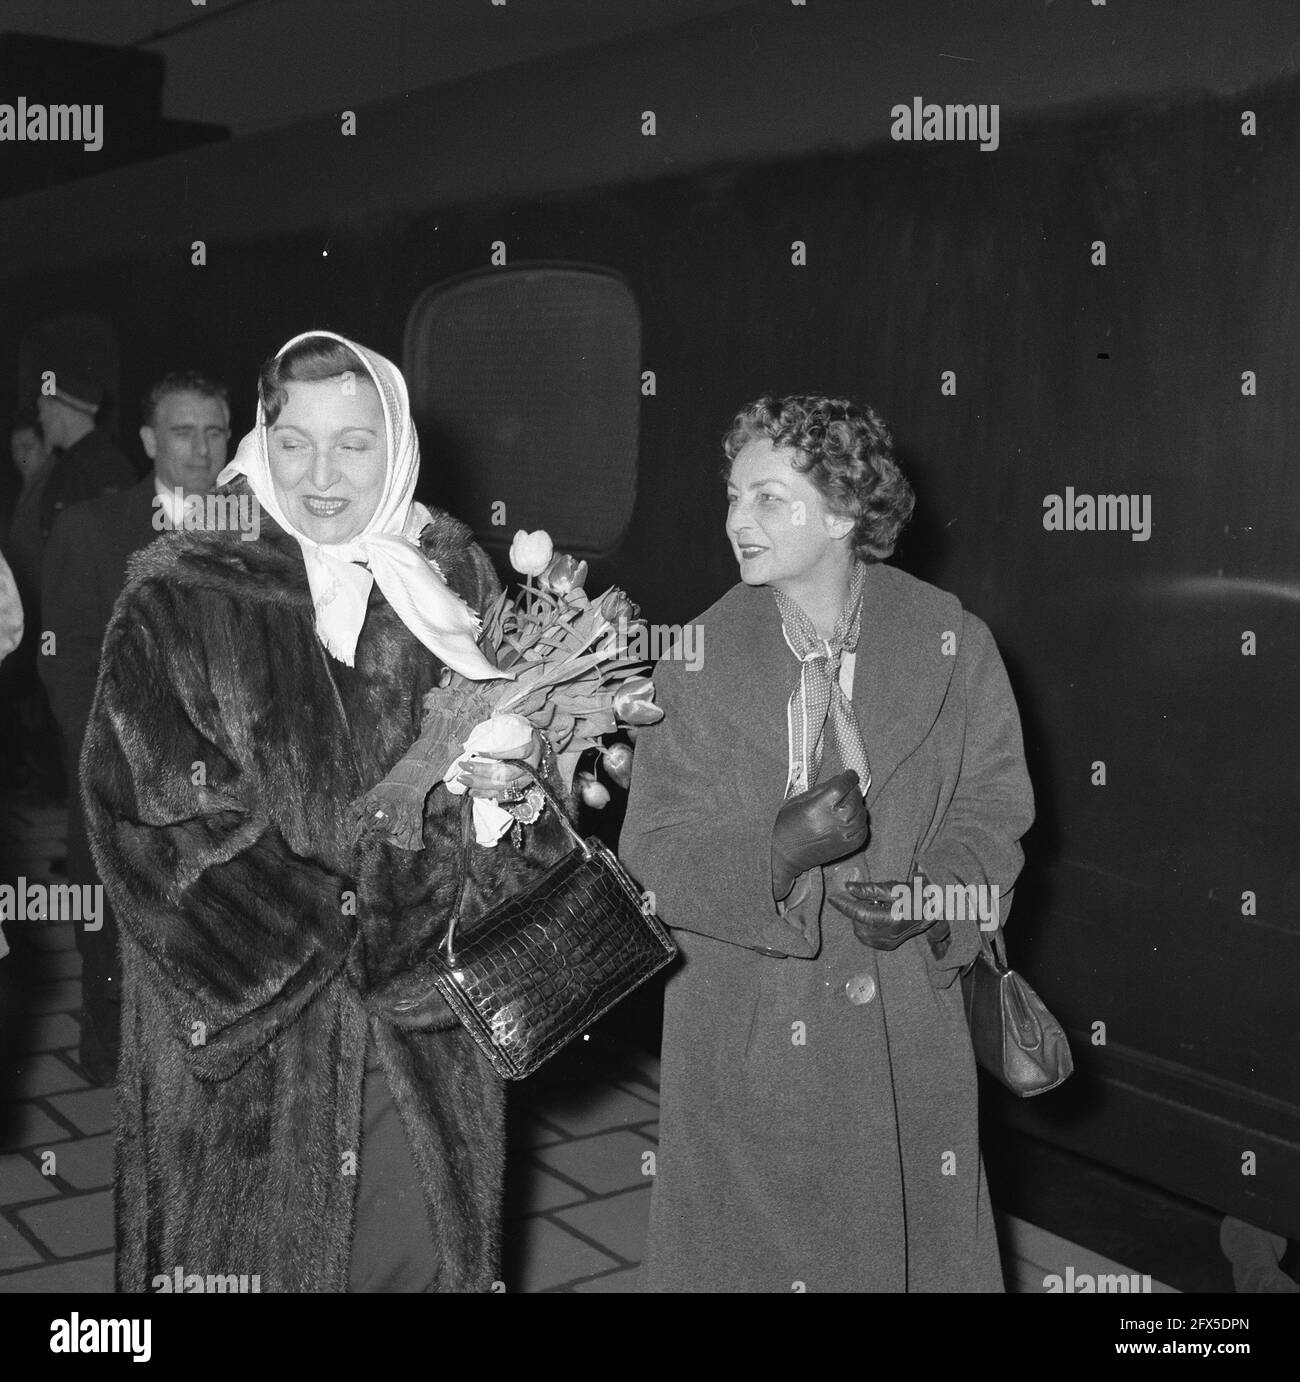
x: 388, y: 545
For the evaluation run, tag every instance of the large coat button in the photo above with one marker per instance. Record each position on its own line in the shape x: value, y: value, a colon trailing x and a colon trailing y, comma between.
x: 861, y: 988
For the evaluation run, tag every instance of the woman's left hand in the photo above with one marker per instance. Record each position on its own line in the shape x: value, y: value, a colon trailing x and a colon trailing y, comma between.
x: 485, y: 776
x: 880, y: 920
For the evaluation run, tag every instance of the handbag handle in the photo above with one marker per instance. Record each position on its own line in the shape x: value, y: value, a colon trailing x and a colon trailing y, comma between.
x: 467, y: 840
x: 552, y: 800
x: 994, y: 951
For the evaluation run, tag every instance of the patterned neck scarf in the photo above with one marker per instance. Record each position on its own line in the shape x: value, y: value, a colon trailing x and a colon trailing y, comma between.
x: 819, y: 699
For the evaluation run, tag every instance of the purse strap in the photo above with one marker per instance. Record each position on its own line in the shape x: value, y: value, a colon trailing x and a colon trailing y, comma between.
x: 994, y: 951
x: 552, y: 800
x: 467, y: 843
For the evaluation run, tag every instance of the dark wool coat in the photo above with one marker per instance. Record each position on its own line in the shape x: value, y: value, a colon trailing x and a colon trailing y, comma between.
x: 222, y: 752
x: 93, y: 466
x: 808, y: 1142
x: 83, y: 572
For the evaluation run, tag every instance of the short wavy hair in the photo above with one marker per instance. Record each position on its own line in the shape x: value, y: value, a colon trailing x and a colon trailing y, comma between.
x: 846, y: 451
x: 314, y: 358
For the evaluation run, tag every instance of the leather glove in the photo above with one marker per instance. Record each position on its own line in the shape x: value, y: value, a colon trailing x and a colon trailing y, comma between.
x: 817, y: 826
x: 870, y: 907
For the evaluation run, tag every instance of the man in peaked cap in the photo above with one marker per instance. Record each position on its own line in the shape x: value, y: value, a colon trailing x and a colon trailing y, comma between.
x: 91, y: 464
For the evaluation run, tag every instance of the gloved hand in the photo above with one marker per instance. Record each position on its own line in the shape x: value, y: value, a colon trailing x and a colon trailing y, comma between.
x: 870, y: 907
x: 824, y: 823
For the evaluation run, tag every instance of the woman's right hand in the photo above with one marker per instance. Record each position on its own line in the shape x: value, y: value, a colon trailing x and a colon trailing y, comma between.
x: 817, y: 827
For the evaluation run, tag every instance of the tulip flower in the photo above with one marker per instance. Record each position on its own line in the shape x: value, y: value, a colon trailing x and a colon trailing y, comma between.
x: 634, y: 702
x: 618, y: 764
x: 614, y: 605
x: 502, y: 736
x: 564, y: 574
x: 531, y: 553
x: 594, y: 793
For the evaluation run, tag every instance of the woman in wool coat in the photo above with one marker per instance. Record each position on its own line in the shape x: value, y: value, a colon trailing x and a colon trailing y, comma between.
x: 818, y: 1122
x: 295, y: 1102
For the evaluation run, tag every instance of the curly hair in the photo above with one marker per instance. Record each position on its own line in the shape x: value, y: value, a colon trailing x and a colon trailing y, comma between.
x: 846, y: 451
x: 311, y: 360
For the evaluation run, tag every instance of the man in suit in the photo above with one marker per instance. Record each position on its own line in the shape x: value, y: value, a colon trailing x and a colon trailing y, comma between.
x: 185, y: 434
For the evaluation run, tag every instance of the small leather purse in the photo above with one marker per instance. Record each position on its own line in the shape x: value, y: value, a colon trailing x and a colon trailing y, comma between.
x: 541, y: 967
x: 1014, y: 1037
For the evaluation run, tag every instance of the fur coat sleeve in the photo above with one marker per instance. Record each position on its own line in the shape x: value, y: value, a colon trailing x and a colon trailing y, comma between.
x: 241, y: 924
x: 240, y: 928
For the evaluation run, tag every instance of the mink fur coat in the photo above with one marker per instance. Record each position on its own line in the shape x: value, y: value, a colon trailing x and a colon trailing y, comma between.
x: 221, y: 756
x: 818, y: 1119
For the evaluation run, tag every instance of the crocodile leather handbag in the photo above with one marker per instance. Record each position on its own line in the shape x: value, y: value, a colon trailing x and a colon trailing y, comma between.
x: 1014, y: 1037
x: 541, y: 967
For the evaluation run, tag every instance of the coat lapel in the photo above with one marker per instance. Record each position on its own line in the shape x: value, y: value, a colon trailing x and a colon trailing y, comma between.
x: 758, y: 699
x: 900, y: 677
x: 902, y: 672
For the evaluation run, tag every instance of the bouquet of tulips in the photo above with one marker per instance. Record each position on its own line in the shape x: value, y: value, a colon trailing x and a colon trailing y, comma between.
x: 572, y: 681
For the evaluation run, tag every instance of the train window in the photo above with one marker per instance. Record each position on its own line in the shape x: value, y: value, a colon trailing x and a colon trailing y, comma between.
x: 525, y: 388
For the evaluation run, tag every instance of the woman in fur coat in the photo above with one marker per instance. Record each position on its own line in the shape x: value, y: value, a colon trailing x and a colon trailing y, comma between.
x: 295, y: 1102
x: 850, y: 729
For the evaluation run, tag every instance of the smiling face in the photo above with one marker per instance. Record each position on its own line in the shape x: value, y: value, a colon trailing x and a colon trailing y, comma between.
x: 780, y: 529
x: 329, y: 457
